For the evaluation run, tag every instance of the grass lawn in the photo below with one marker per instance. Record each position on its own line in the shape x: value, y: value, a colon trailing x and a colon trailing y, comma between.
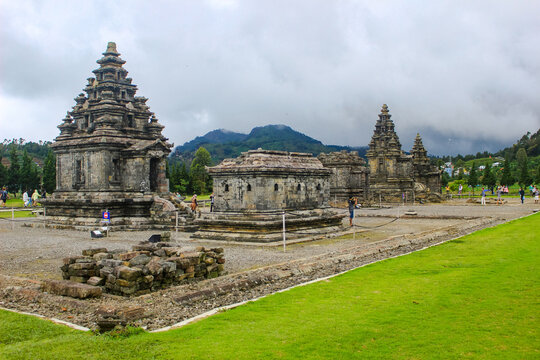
x: 18, y: 214
x: 474, y: 298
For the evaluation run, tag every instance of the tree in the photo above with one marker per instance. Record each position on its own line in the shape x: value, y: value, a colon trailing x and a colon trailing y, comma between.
x: 29, y: 173
x: 459, y: 165
x: 14, y: 170
x: 49, y: 172
x: 473, y: 177
x: 538, y: 174
x: 198, y: 175
x: 488, y: 178
x: 3, y: 173
x: 523, y: 168
x: 506, y: 177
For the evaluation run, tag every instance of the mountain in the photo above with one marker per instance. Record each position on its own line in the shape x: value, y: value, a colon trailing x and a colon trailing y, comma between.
x: 227, y: 144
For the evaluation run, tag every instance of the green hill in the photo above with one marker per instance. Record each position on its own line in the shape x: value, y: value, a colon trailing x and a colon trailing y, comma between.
x: 227, y: 144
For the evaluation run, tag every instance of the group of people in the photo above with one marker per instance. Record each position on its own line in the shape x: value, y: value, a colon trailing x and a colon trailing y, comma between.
x: 534, y: 193
x: 195, y: 204
x: 29, y: 198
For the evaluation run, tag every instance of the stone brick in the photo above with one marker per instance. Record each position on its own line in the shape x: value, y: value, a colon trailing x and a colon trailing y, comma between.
x: 141, y: 259
x: 96, y: 281
x: 92, y: 252
x: 68, y: 288
x: 102, y: 256
x: 127, y: 273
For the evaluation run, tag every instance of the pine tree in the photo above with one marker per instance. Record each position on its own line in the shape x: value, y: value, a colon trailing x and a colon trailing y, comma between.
x: 14, y: 170
x: 506, y: 177
x: 198, y: 174
x: 488, y: 178
x: 49, y: 172
x: 473, y: 177
x: 523, y: 168
x: 3, y: 173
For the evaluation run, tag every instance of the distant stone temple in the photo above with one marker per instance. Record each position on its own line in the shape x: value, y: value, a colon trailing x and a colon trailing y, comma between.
x: 393, y: 173
x: 350, y: 176
x: 253, y: 190
x: 110, y: 155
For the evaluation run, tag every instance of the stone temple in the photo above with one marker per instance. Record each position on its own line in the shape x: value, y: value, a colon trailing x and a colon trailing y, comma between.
x: 350, y: 176
x: 253, y: 190
x: 110, y: 155
x: 394, y: 173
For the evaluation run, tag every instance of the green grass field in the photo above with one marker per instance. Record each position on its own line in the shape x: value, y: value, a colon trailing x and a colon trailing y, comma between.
x: 476, y: 297
x: 18, y: 214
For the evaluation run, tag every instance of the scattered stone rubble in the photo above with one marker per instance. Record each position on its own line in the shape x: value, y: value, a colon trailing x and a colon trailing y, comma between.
x: 148, y: 267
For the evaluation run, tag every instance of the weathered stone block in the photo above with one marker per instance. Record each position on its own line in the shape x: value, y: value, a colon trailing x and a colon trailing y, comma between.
x: 92, y: 252
x: 71, y: 259
x: 130, y: 255
x: 96, y: 281
x: 68, y: 288
x: 127, y: 273
x: 81, y: 266
x: 78, y: 279
x: 109, y: 263
x: 125, y: 283
x: 102, y: 256
x: 141, y: 259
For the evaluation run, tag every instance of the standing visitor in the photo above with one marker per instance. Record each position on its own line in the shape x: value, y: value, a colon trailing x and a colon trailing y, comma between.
x: 3, y: 197
x: 194, y: 203
x: 460, y: 188
x: 521, y: 194
x: 212, y: 202
x: 499, y: 194
x: 352, y: 204
x: 35, y: 198
x: 483, y: 201
x: 536, y: 194
x: 26, y: 199
x: 531, y: 190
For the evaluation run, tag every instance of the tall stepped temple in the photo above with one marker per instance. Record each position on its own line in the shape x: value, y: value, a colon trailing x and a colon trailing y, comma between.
x: 110, y: 155
x: 392, y: 173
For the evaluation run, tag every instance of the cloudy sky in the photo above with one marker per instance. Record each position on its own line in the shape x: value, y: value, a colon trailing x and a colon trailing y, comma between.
x: 465, y: 74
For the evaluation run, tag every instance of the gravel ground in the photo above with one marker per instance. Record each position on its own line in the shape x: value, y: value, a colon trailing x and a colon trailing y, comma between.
x: 36, y: 253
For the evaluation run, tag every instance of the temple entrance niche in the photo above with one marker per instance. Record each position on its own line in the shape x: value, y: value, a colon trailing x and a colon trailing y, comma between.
x: 154, y: 167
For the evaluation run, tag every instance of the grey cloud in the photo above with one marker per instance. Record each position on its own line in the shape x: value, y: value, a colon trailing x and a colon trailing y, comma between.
x: 446, y: 69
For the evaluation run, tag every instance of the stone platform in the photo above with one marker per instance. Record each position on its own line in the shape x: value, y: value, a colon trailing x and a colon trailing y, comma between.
x: 268, y: 227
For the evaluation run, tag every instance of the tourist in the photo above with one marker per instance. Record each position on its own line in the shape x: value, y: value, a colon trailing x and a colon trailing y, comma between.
x: 194, y: 203
x: 460, y: 189
x: 483, y: 201
x: 352, y: 204
x: 3, y: 197
x: 35, y: 198
x: 522, y: 194
x: 447, y: 191
x: 212, y: 202
x: 26, y: 199
x: 499, y: 194
x: 531, y: 190
x: 536, y: 194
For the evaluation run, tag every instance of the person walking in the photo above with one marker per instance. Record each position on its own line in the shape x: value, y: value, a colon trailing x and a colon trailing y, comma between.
x: 3, y: 197
x: 35, y: 198
x: 536, y: 194
x: 521, y: 194
x: 499, y: 194
x: 352, y: 204
x: 483, y: 200
x: 212, y: 202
